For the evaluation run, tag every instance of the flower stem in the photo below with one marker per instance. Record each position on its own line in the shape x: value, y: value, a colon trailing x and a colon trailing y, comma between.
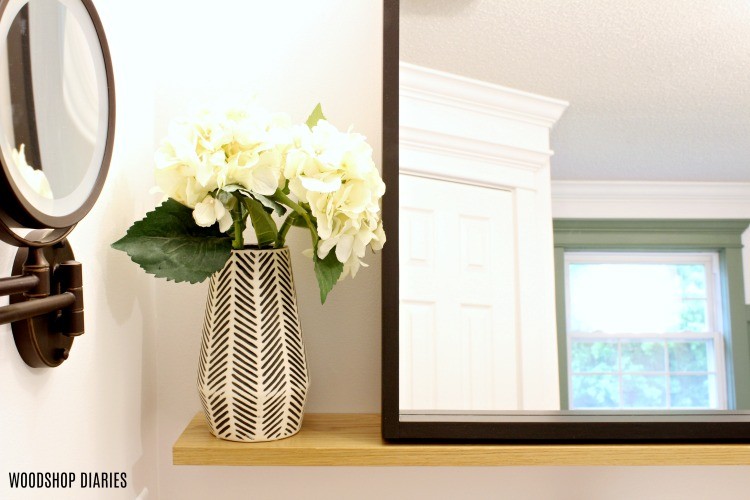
x: 288, y: 222
x: 285, y: 200
x: 238, y: 243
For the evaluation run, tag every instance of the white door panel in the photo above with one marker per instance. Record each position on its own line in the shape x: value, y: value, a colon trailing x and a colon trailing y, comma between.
x: 457, y: 292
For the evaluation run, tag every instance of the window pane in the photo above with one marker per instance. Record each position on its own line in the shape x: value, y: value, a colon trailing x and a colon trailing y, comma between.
x: 691, y: 356
x: 642, y: 356
x: 593, y: 356
x: 693, y: 391
x: 636, y: 298
x: 644, y: 391
x: 693, y: 280
x: 595, y: 391
x: 694, y: 316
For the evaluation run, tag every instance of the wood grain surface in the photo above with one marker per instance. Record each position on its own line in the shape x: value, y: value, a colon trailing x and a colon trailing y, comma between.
x: 354, y: 439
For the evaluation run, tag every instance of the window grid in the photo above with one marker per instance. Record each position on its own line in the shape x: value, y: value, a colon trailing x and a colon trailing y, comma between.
x: 710, y: 263
x: 667, y: 373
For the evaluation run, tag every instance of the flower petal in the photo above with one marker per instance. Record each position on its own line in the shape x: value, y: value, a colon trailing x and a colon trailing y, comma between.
x: 344, y: 248
x: 325, y: 246
x: 265, y: 180
x: 204, y: 212
x: 225, y: 222
x: 319, y: 185
x: 379, y: 240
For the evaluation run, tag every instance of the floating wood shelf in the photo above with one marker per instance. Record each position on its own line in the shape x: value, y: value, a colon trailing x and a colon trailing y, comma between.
x: 354, y: 439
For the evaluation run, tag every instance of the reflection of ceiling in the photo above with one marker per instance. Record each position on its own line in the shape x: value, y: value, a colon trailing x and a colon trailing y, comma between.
x: 658, y: 89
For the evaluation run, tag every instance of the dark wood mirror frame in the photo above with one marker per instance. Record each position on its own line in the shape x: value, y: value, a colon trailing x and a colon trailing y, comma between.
x: 557, y: 428
x: 46, y: 286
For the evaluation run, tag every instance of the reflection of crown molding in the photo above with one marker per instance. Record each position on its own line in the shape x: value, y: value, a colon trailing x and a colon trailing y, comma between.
x: 451, y: 158
x: 473, y: 95
x: 475, y: 149
x: 628, y: 199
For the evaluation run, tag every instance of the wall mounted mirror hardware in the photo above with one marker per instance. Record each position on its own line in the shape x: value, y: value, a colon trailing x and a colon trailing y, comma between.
x: 57, y: 115
x: 567, y: 186
x: 46, y: 303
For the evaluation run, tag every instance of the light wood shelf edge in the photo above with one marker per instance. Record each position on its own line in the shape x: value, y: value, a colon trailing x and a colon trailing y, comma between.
x: 354, y: 440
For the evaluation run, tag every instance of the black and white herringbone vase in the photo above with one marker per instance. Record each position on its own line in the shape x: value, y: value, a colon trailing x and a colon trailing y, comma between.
x: 252, y: 373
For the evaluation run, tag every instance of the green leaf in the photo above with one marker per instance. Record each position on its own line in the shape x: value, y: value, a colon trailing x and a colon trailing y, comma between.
x: 299, y: 222
x: 263, y: 224
x: 317, y: 114
x: 327, y: 271
x: 269, y: 203
x: 226, y: 197
x: 265, y: 200
x: 231, y: 188
x: 236, y: 188
x: 169, y: 244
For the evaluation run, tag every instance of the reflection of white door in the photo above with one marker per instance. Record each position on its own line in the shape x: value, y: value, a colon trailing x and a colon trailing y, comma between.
x: 457, y: 292
x: 477, y: 322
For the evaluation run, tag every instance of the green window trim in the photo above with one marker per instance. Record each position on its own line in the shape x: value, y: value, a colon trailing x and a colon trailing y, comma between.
x: 665, y: 235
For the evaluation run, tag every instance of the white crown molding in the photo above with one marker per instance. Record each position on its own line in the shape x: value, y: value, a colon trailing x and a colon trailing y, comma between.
x: 461, y: 130
x: 679, y: 200
x: 447, y: 157
x: 464, y: 93
x: 476, y: 149
x: 655, y: 200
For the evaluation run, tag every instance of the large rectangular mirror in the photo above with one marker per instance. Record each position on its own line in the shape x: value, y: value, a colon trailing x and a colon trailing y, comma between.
x: 568, y: 197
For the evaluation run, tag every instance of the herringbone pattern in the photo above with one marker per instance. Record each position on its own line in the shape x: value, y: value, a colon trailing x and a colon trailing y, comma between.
x: 252, y: 373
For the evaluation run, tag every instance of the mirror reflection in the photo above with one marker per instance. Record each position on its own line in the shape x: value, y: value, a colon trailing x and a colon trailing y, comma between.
x: 644, y: 331
x: 54, y: 83
x: 503, y: 310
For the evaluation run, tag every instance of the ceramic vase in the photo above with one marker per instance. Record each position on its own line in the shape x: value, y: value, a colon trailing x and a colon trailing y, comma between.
x: 252, y: 372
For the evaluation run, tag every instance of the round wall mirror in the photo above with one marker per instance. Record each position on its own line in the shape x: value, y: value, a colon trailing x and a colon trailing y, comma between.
x: 56, y: 112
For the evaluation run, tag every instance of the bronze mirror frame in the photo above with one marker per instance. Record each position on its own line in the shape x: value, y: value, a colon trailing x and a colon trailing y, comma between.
x: 541, y: 427
x: 16, y: 210
x: 46, y: 286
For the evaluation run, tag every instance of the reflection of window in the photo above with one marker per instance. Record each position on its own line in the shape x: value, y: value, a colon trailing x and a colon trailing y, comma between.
x: 652, y: 314
x: 645, y: 331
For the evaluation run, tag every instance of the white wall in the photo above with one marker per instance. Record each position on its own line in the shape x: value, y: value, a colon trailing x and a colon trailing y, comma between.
x: 97, y: 412
x: 293, y: 53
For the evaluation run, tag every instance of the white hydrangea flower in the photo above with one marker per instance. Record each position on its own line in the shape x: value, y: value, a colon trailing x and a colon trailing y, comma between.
x: 211, y: 149
x: 210, y: 211
x: 331, y: 171
x: 260, y: 173
x: 334, y: 173
x: 180, y: 170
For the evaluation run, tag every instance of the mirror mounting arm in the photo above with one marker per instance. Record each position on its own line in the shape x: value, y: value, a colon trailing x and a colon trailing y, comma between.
x: 46, y: 308
x: 35, y: 283
x: 36, y: 307
x: 17, y: 284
